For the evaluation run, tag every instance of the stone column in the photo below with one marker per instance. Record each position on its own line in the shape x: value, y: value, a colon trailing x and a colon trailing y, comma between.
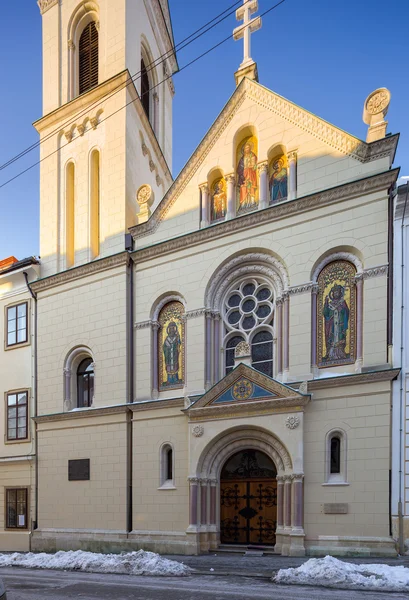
x: 208, y: 344
x: 155, y: 364
x: 71, y: 66
x: 287, y: 502
x: 67, y: 388
x: 263, y: 170
x: 359, y: 281
x: 213, y: 489
x: 216, y: 349
x: 155, y: 98
x: 280, y: 514
x: 194, y: 488
x: 279, y: 335
x: 286, y: 333
x: 298, y: 502
x: 205, y: 205
x: 314, y: 293
x: 203, y: 502
x: 292, y: 166
x: 231, y: 196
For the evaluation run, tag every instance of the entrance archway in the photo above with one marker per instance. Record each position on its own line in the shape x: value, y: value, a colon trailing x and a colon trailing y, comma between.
x: 248, y: 499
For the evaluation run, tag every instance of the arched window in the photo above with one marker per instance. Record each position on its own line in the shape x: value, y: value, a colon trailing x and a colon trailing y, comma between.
x: 167, y: 479
x: 95, y: 203
x: 336, y: 457
x: 69, y: 215
x: 85, y: 383
x: 248, y: 312
x: 145, y: 89
x: 88, y: 58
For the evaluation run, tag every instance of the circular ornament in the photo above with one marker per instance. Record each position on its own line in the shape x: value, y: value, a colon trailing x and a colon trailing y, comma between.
x: 292, y: 422
x: 378, y: 101
x: 198, y: 430
x: 144, y: 194
x: 242, y: 389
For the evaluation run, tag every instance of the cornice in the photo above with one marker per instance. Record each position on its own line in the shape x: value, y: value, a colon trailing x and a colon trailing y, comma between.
x: 274, y: 213
x: 45, y: 5
x: 98, y: 266
x: 82, y: 414
x: 303, y: 288
x: 244, y: 409
x: 157, y: 404
x: 353, y: 379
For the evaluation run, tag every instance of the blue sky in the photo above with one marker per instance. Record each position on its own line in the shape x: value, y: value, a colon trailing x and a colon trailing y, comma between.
x: 324, y: 55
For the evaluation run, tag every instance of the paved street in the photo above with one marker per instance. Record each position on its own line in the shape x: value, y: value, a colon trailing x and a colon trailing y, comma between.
x: 30, y: 584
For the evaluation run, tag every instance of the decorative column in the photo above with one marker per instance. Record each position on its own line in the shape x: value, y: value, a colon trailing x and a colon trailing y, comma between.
x: 203, y: 501
x: 205, y: 205
x: 71, y: 66
x: 193, y: 499
x: 359, y: 281
x: 213, y: 489
x: 298, y: 502
x: 314, y: 293
x: 287, y: 501
x: 231, y: 196
x: 292, y: 166
x: 208, y: 346
x: 155, y: 366
x: 279, y: 334
x: 67, y: 388
x: 262, y: 170
x: 155, y: 98
x: 216, y: 348
x: 286, y: 332
x: 280, y: 513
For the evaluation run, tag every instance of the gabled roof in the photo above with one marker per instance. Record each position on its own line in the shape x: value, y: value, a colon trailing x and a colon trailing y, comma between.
x: 334, y: 137
x: 245, y: 390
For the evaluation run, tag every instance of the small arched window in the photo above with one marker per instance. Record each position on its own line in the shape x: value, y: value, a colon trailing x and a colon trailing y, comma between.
x: 335, y: 455
x: 85, y: 383
x: 88, y: 58
x: 167, y: 472
x: 336, y: 458
x: 145, y: 92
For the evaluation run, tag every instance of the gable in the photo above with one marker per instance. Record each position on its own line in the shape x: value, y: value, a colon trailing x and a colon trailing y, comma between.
x: 322, y: 149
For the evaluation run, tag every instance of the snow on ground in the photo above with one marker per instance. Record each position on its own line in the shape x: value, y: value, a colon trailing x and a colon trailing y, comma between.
x: 334, y: 573
x: 130, y: 563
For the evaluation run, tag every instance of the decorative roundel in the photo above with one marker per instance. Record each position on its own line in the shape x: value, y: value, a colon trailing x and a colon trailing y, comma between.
x: 242, y: 389
x: 248, y: 304
x: 378, y: 101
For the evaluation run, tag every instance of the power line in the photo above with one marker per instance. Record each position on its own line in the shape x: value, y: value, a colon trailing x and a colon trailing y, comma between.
x: 210, y: 25
x: 132, y: 101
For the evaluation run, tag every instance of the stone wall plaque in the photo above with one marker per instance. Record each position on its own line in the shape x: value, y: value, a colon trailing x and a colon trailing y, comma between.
x: 79, y: 470
x: 335, y: 508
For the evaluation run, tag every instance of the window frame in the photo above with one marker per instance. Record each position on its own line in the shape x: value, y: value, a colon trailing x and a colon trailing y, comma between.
x: 341, y: 477
x: 17, y: 489
x: 16, y: 440
x: 85, y: 376
x: 164, y: 482
x: 88, y: 25
x: 26, y: 341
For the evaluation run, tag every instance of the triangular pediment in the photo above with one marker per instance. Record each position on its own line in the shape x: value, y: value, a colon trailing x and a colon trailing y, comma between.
x: 330, y: 135
x: 246, y: 389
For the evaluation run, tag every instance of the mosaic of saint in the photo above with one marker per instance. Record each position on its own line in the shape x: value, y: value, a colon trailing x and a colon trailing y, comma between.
x: 218, y: 200
x: 336, y: 308
x: 171, y: 346
x: 278, y: 179
x: 247, y: 184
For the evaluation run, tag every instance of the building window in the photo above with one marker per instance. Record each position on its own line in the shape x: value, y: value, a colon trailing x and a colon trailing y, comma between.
x: 16, y: 508
x: 17, y: 324
x: 88, y: 58
x: 85, y: 383
x: 17, y: 416
x: 167, y: 467
x: 336, y: 458
x: 248, y: 312
x: 145, y: 93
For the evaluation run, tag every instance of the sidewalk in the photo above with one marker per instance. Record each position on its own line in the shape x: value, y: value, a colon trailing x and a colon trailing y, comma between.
x: 262, y: 566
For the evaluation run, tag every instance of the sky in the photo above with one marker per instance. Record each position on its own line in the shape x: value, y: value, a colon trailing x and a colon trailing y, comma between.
x: 325, y: 55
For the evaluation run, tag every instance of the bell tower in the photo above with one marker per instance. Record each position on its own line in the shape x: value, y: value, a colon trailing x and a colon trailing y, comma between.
x: 106, y: 127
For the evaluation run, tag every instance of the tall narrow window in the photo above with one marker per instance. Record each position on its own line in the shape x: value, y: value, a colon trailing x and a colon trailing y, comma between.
x: 17, y: 416
x: 336, y: 458
x: 166, y: 467
x: 335, y: 455
x: 94, y: 203
x: 88, y: 58
x: 145, y: 93
x: 169, y: 466
x: 16, y: 508
x: 69, y: 214
x: 85, y: 383
x: 17, y: 325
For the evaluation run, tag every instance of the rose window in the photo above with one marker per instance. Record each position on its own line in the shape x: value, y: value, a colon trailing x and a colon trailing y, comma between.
x: 248, y: 312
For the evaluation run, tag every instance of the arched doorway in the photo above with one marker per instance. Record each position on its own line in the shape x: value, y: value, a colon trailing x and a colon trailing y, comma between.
x: 248, y: 499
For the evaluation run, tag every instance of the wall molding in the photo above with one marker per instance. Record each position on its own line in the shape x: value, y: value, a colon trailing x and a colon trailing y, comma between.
x: 45, y: 5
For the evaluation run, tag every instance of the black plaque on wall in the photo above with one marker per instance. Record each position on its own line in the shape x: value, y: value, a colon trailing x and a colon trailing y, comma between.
x: 78, y: 470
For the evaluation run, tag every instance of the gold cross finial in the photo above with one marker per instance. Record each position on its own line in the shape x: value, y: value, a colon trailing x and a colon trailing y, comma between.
x: 248, y: 27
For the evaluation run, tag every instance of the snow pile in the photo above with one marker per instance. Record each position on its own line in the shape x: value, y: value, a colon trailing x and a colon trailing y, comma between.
x: 334, y: 573
x: 130, y: 563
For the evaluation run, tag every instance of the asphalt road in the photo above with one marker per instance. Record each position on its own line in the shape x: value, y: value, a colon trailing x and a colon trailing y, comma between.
x: 24, y: 584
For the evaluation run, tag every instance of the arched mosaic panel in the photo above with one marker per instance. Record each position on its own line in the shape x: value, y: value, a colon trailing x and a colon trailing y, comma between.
x: 247, y: 179
x: 336, y: 315
x: 171, y: 346
x: 218, y: 203
x: 278, y: 179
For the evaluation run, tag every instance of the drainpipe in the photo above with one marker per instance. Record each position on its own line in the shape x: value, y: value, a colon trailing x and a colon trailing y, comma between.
x: 130, y: 379
x: 35, y: 388
x: 401, y: 391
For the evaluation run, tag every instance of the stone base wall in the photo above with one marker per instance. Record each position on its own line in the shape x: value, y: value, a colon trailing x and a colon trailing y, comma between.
x: 350, y: 546
x: 395, y: 532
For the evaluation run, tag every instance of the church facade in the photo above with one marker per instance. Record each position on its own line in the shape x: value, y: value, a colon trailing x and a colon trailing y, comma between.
x: 214, y: 353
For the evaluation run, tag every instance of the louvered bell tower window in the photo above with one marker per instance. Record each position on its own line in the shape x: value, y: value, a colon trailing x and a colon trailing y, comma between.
x: 88, y: 58
x: 145, y: 88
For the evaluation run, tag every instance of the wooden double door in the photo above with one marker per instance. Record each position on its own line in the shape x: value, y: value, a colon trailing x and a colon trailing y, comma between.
x: 248, y: 499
